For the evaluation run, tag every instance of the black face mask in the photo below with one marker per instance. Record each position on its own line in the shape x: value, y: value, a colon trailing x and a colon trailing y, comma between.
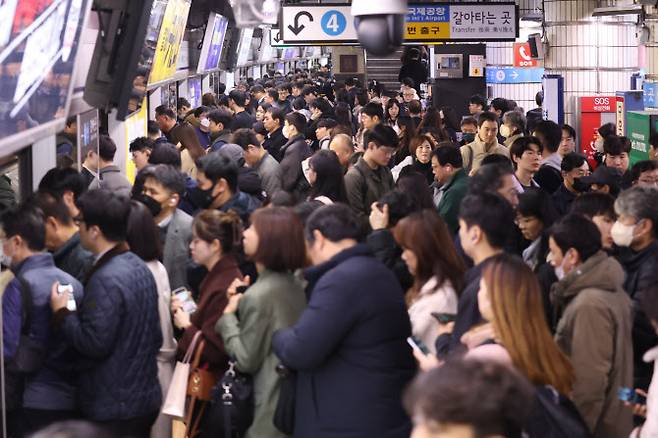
x: 154, y: 206
x: 202, y: 199
x: 580, y: 186
x: 468, y: 138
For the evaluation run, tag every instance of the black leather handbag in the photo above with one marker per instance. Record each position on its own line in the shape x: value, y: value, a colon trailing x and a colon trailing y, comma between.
x: 231, y: 409
x: 284, y: 415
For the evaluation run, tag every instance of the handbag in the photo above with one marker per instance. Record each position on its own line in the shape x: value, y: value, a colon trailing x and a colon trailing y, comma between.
x: 284, y: 414
x: 174, y: 404
x: 232, y: 404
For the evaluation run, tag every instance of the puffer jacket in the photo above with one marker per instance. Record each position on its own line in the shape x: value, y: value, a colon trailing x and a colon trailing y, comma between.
x: 595, y: 332
x: 641, y: 273
x: 53, y: 386
x: 117, y: 329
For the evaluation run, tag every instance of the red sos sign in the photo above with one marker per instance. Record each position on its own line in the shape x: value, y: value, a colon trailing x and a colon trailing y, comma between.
x: 522, y: 56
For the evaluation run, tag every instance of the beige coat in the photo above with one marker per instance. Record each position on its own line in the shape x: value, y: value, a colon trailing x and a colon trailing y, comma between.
x: 473, y: 153
x: 162, y: 426
x: 595, y: 332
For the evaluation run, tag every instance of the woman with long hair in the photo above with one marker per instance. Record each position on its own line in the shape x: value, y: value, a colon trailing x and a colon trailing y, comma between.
x: 326, y: 177
x: 438, y: 271
x: 450, y: 121
x: 392, y: 113
x: 420, y: 158
x: 433, y: 123
x: 407, y: 132
x: 510, y: 300
x: 275, y: 242
x: 344, y: 118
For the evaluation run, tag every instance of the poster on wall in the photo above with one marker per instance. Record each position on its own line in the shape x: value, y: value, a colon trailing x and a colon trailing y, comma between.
x: 170, y: 38
x: 38, y: 47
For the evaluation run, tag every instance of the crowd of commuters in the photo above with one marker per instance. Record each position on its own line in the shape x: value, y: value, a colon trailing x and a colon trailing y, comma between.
x: 414, y: 273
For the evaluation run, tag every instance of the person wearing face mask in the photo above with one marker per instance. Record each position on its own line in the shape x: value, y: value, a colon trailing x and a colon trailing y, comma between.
x: 469, y: 128
x: 163, y: 188
x: 201, y: 124
x: 217, y: 187
x: 604, y: 131
x: 635, y: 233
x: 513, y: 127
x: 574, y: 166
x: 594, y: 325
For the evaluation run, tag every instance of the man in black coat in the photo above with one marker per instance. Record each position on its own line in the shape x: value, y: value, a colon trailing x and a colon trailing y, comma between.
x: 273, y: 121
x: 349, y: 345
x: 635, y: 234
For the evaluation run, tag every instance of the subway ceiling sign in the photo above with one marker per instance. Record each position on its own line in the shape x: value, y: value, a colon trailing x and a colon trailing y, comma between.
x: 444, y: 22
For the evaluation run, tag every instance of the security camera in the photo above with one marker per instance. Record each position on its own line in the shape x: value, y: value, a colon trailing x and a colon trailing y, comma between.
x: 380, y: 24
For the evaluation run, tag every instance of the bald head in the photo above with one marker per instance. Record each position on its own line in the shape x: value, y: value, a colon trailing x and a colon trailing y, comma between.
x: 342, y: 145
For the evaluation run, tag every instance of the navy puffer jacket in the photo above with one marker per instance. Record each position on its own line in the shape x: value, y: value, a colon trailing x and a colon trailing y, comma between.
x: 117, y: 328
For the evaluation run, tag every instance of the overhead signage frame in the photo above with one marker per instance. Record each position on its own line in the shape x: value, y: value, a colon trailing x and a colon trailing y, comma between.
x: 426, y: 23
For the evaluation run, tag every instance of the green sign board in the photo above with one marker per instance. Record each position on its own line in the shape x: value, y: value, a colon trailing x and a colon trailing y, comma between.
x: 640, y: 126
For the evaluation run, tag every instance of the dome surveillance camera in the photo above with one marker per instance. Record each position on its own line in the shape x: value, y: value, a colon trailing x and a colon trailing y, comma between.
x: 380, y: 24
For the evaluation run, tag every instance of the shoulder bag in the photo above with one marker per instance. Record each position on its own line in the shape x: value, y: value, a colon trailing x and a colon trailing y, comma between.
x: 232, y: 404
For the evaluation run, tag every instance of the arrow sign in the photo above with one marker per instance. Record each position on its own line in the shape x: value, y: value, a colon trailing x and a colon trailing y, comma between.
x: 317, y: 24
x: 514, y: 74
x: 277, y: 36
x: 297, y: 28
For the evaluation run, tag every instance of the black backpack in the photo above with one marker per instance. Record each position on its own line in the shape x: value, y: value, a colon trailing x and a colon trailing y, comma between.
x: 555, y: 416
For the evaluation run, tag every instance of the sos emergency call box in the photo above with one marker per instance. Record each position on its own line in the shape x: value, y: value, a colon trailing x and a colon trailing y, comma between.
x: 594, y: 112
x: 641, y: 126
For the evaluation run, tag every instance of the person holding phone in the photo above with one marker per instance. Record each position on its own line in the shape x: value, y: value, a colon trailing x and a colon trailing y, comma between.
x: 438, y: 272
x: 214, y: 239
x: 648, y: 409
x: 275, y: 242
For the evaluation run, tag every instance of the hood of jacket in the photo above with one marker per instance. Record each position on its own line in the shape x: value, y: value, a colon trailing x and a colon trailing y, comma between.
x: 599, y: 272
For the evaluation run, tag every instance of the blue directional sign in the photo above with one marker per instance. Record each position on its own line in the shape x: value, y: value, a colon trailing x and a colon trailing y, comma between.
x: 513, y: 75
x: 334, y: 23
x: 650, y: 94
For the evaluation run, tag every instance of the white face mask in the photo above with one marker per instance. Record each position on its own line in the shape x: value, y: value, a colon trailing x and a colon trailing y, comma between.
x: 285, y: 132
x: 622, y: 234
x: 505, y: 131
x: 205, y: 123
x: 5, y: 260
x: 598, y: 145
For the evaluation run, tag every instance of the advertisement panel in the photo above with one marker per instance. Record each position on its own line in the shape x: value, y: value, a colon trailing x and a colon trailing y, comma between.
x: 169, y: 41
x: 38, y: 46
x: 213, y: 43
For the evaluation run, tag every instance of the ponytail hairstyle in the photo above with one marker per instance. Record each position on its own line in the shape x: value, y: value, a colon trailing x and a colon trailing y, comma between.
x: 225, y: 227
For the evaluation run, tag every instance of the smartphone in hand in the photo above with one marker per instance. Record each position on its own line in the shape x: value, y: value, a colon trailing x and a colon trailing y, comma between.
x: 418, y: 345
x: 444, y: 318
